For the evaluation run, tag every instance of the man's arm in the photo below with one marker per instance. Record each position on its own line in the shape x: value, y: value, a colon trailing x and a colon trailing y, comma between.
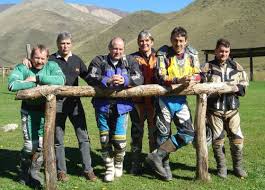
x: 18, y: 81
x: 55, y: 77
x: 83, y: 70
x: 94, y: 76
x: 242, y: 81
x: 136, y: 77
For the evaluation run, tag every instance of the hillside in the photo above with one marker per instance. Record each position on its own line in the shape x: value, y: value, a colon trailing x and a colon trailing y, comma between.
x: 111, y: 15
x: 39, y: 21
x: 242, y: 22
x: 5, y: 6
x: 127, y: 28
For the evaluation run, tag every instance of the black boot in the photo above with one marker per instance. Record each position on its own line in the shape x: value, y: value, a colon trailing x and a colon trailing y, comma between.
x: 136, y: 168
x: 237, y: 157
x: 167, y: 168
x: 25, y: 163
x: 219, y: 155
x: 155, y: 159
x: 36, y: 177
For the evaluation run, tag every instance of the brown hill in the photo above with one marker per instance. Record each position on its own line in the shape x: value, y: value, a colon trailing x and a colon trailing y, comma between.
x: 5, y: 6
x: 242, y: 22
x: 39, y: 21
x: 127, y: 28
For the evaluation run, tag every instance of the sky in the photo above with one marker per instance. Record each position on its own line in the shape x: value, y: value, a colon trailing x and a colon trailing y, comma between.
x: 160, y: 6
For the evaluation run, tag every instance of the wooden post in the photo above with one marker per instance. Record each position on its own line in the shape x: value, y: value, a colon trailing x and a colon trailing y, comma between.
x: 251, y: 67
x: 3, y: 74
x: 48, y: 144
x: 201, y: 144
x: 28, y: 50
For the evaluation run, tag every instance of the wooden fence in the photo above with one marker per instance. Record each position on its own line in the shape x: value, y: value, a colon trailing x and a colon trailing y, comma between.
x: 201, y: 90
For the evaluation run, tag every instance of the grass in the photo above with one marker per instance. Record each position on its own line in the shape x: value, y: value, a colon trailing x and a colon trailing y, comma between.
x: 183, y: 162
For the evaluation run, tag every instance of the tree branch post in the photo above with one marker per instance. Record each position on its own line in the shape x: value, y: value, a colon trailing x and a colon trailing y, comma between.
x: 200, y: 90
x: 201, y: 144
x: 48, y: 144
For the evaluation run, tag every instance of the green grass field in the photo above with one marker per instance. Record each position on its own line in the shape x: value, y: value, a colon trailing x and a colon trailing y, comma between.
x: 183, y: 162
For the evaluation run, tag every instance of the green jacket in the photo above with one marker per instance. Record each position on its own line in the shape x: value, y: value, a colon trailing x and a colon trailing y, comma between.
x: 50, y: 74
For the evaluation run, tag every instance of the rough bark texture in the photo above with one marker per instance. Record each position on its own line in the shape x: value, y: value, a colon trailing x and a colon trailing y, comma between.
x: 49, y: 154
x: 201, y: 144
x: 201, y: 90
x: 143, y: 90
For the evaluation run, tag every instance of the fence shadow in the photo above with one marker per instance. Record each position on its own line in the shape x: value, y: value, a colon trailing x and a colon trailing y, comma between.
x: 74, y: 162
x: 9, y: 161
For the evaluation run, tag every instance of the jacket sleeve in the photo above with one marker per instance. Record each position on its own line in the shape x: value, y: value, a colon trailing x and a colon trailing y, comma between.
x: 95, y: 75
x: 161, y: 75
x: 83, y: 70
x: 136, y: 77
x: 194, y: 57
x: 205, y: 72
x: 16, y: 79
x: 243, y: 82
x: 55, y: 77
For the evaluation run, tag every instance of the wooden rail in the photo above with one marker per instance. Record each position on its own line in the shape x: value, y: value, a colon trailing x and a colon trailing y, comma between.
x: 201, y: 90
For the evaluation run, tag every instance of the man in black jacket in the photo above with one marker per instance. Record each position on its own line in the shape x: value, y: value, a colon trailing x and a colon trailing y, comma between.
x: 73, y: 67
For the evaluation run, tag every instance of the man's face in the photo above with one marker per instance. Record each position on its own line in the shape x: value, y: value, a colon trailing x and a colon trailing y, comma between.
x: 39, y: 59
x: 222, y: 53
x: 117, y: 49
x: 64, y: 46
x: 145, y: 44
x: 178, y: 43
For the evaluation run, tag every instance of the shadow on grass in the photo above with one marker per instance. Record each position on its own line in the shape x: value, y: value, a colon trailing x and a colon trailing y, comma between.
x: 150, y: 174
x: 74, y: 162
x: 9, y: 160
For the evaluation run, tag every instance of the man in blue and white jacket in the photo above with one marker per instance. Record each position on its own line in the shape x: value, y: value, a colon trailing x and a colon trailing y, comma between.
x: 112, y: 71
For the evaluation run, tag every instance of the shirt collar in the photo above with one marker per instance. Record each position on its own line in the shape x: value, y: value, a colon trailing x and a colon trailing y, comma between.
x: 59, y: 56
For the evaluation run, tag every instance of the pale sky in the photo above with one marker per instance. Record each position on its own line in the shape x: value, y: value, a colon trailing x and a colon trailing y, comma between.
x: 160, y: 6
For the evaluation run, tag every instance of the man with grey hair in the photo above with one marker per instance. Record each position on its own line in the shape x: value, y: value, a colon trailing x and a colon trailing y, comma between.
x: 143, y: 106
x: 113, y: 71
x: 73, y: 67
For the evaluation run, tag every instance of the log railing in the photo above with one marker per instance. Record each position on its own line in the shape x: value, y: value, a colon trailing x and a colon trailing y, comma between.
x: 201, y: 90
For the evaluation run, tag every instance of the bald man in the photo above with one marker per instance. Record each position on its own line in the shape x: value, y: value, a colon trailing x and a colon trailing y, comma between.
x: 113, y: 71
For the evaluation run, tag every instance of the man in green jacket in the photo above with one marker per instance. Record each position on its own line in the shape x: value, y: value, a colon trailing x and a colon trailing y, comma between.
x: 43, y: 72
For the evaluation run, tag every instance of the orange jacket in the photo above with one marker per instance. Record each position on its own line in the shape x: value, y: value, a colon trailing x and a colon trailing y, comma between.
x: 147, y: 66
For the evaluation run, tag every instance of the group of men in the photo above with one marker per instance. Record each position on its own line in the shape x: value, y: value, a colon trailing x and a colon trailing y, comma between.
x: 177, y: 64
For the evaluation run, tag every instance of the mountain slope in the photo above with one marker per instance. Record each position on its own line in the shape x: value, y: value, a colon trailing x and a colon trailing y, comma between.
x: 111, y: 15
x: 5, y: 6
x: 242, y: 22
x: 127, y: 28
x: 39, y: 21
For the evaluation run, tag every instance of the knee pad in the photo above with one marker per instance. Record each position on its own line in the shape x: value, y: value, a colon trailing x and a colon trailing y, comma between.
x: 119, y: 145
x: 104, y: 139
x: 30, y: 146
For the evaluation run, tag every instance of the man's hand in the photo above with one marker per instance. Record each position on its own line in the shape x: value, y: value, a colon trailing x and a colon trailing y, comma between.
x: 31, y: 79
x: 116, y: 80
x: 195, y: 78
x: 184, y: 80
x: 27, y: 62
